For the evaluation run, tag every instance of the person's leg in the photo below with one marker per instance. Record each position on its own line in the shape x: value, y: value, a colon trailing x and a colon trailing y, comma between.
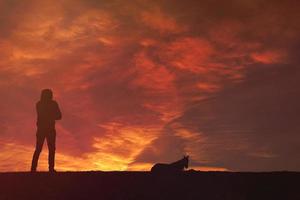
x: 38, y: 148
x: 51, y: 136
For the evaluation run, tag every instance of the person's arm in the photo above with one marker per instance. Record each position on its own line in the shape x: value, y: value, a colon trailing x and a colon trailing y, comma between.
x: 57, y: 112
x: 37, y: 113
x: 37, y: 107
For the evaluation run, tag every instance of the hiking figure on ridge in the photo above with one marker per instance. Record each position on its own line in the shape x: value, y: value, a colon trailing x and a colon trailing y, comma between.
x: 47, y: 113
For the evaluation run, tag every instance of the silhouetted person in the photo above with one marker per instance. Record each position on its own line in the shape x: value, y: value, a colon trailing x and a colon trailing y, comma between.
x: 47, y: 112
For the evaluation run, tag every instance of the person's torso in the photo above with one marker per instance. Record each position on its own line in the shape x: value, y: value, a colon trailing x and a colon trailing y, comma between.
x: 46, y: 112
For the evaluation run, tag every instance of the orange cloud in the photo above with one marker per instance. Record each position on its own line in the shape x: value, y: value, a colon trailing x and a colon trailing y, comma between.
x: 161, y: 22
x: 210, y: 87
x: 17, y: 157
x: 191, y: 54
x: 140, y: 82
x: 268, y: 57
x: 212, y: 169
x: 158, y: 82
x: 121, y: 144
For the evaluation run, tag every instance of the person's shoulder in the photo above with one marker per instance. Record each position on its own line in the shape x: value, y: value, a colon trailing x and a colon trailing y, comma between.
x: 38, y: 105
x: 54, y: 102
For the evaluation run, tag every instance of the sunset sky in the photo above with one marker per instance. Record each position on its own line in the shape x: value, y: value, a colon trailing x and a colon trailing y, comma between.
x: 146, y: 81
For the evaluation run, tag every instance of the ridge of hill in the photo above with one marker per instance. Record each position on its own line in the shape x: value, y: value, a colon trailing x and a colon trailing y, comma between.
x: 192, y: 185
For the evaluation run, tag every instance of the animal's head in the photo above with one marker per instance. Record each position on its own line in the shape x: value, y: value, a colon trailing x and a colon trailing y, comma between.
x: 186, y: 161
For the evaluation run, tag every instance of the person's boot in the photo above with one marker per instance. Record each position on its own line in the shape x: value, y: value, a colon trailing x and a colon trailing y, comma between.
x: 34, y: 162
x: 33, y: 170
x: 52, y: 170
x: 51, y: 162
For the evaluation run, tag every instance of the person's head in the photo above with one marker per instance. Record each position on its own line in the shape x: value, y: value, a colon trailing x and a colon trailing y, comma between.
x: 46, y: 95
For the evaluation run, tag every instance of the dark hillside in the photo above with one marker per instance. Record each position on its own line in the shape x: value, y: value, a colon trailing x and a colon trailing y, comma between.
x: 143, y: 185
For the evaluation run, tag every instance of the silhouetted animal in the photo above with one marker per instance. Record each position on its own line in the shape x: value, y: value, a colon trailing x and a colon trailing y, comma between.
x: 177, y: 166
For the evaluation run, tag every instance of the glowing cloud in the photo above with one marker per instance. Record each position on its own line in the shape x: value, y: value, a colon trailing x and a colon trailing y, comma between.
x: 142, y: 82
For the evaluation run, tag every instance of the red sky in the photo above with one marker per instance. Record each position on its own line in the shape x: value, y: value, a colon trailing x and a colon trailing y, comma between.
x: 141, y: 82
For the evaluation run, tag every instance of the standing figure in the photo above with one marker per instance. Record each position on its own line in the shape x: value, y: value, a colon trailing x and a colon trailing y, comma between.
x: 47, y: 112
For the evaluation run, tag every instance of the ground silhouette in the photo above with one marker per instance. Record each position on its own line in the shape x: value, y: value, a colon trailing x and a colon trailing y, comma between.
x: 192, y: 185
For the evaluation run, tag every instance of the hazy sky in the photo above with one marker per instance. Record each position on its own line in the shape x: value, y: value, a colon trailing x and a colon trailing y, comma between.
x: 141, y: 82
